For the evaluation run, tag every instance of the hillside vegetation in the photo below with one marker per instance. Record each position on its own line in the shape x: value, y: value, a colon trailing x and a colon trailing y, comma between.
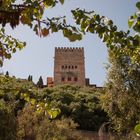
x: 31, y: 112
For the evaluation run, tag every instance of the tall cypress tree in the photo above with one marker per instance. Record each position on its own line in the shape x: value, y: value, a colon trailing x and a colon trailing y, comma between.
x: 7, y: 74
x: 40, y: 82
x: 30, y: 78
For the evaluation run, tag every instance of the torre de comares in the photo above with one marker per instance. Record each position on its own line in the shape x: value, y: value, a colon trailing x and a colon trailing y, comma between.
x: 69, y: 67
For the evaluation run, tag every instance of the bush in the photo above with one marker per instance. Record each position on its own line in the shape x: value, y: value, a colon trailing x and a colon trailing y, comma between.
x: 80, y: 104
x: 7, y: 121
x: 37, y: 126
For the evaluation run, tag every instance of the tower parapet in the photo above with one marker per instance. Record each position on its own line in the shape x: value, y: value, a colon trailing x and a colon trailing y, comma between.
x: 71, y: 49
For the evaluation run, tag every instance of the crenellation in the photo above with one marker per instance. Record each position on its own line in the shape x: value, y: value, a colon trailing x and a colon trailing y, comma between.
x: 69, y: 49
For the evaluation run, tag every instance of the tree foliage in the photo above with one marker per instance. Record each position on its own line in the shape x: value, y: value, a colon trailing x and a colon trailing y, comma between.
x: 37, y: 126
x: 7, y: 121
x: 120, y: 42
x: 134, y: 20
x: 122, y: 87
x: 122, y: 94
x: 8, y: 45
x: 7, y: 74
x: 15, y: 95
x: 80, y: 104
x: 137, y: 129
x: 30, y: 78
x: 30, y: 13
x: 20, y: 92
x: 30, y: 111
x: 40, y: 82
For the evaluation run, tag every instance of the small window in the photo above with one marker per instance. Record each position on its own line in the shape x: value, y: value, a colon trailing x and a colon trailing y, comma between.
x: 75, y: 79
x: 69, y: 67
x: 69, y: 78
x: 65, y: 67
x: 72, y: 67
x: 62, y: 67
x: 63, y: 79
x: 75, y: 67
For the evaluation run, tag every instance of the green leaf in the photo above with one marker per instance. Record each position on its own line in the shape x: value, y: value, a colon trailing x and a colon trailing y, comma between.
x: 113, y: 28
x: 53, y: 113
x: 75, y: 37
x: 138, y: 5
x: 1, y: 63
x: 3, y: 30
x: 27, y: 99
x: 78, y: 21
x: 24, y: 43
x: 105, y: 38
x: 130, y: 22
x: 33, y: 101
x: 61, y: 1
x: 136, y: 27
x: 137, y: 129
x: 136, y: 42
x: 97, y: 18
x: 67, y: 32
x: 8, y: 55
x: 84, y: 24
x: 54, y: 28
x: 14, y: 50
x: 49, y: 2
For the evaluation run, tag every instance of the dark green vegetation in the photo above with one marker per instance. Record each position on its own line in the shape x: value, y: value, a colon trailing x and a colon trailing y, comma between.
x: 28, y: 111
x: 80, y: 104
x: 40, y: 82
x: 120, y: 98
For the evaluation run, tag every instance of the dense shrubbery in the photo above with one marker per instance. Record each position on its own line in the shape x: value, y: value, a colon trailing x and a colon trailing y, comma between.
x: 7, y: 121
x: 27, y: 111
x: 80, y: 104
x: 37, y: 126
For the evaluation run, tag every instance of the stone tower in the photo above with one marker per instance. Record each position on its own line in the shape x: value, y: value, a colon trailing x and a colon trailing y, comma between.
x: 69, y: 66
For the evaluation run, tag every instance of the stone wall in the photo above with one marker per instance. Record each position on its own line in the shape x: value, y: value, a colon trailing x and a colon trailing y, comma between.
x: 69, y: 66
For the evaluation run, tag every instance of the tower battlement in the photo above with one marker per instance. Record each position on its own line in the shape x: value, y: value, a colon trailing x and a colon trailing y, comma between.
x: 69, y: 49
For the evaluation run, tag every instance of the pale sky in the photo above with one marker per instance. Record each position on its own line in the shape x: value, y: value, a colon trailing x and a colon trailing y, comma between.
x: 37, y: 58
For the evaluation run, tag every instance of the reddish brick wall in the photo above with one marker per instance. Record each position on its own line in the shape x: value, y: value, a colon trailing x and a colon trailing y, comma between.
x: 49, y: 82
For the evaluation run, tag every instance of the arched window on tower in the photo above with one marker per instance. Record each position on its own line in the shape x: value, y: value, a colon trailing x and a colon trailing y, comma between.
x: 69, y: 78
x: 62, y: 67
x: 75, y: 79
x: 62, y: 79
